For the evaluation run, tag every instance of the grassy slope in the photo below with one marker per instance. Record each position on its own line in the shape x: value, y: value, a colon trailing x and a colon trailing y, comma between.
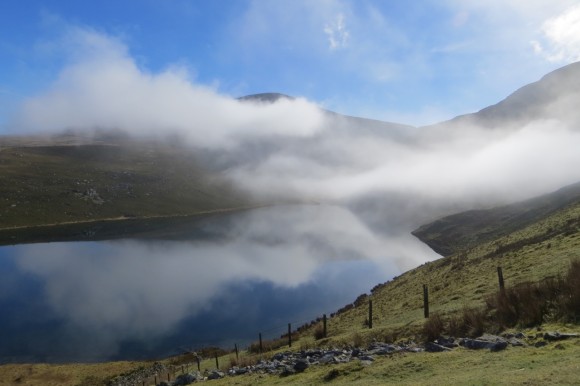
x: 465, y: 230
x: 62, y: 181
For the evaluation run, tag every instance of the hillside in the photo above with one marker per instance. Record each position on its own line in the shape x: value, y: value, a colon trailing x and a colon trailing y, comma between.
x: 74, y: 178
x: 552, y: 97
x: 465, y: 230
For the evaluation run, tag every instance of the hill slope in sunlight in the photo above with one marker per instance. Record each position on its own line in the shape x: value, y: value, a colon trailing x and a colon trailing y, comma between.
x: 71, y: 178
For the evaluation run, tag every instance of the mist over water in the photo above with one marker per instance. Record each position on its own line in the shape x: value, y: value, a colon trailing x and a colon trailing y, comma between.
x: 139, y: 299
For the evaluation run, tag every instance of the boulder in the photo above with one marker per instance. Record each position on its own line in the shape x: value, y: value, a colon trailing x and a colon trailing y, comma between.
x: 215, y: 374
x: 478, y: 344
x: 300, y: 366
x: 184, y: 379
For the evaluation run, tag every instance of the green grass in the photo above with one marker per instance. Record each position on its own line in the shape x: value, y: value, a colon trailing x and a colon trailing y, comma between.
x: 555, y: 364
x: 460, y: 231
x: 59, y: 182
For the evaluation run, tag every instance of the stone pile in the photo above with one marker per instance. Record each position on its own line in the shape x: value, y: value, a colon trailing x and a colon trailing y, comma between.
x: 292, y: 362
x: 137, y: 377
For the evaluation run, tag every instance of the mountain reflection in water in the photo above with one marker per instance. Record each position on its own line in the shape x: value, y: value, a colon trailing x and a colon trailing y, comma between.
x: 131, y: 299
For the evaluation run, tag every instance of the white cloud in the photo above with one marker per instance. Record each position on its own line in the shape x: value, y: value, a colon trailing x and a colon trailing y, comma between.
x: 103, y: 87
x: 337, y: 33
x: 561, y: 37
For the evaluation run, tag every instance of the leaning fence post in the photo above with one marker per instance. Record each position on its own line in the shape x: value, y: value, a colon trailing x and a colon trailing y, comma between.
x: 425, y: 300
x: 500, y: 278
x: 324, y: 325
x: 370, y: 313
x: 289, y: 335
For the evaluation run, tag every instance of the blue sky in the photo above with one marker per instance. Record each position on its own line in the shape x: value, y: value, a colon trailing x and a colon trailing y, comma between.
x: 411, y: 62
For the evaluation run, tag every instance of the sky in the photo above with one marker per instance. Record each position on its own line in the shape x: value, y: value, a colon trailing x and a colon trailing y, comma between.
x: 417, y: 62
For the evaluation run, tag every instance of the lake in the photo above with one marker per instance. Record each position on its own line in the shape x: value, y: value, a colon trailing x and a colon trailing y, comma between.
x: 231, y: 278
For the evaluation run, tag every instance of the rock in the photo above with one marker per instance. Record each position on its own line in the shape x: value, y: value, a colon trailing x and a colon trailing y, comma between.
x: 366, y: 358
x: 287, y: 371
x: 541, y: 344
x: 300, y: 366
x: 377, y: 348
x: 498, y: 346
x: 515, y: 342
x: 554, y: 336
x: 328, y: 358
x: 215, y: 374
x: 478, y: 344
x: 446, y: 342
x: 434, y: 347
x: 184, y: 379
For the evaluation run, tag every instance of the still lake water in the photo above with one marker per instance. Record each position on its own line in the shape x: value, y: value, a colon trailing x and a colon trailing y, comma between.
x: 236, y: 276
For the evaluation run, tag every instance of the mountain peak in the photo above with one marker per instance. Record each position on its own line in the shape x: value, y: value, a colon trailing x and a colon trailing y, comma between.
x: 267, y: 97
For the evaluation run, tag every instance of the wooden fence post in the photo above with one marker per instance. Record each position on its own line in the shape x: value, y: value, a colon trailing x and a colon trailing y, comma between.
x: 425, y: 300
x: 289, y: 335
x: 261, y: 347
x: 324, y: 325
x: 500, y: 278
x: 370, y: 313
x: 217, y: 364
x: 198, y: 364
x: 237, y: 353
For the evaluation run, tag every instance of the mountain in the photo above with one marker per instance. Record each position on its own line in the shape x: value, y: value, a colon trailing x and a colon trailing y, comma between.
x: 554, y: 96
x: 459, y: 232
x: 266, y: 97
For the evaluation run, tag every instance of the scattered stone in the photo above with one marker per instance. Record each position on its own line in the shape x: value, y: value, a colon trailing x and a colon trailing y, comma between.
x: 554, y: 336
x: 540, y: 344
x: 185, y: 379
x: 446, y: 342
x: 434, y: 347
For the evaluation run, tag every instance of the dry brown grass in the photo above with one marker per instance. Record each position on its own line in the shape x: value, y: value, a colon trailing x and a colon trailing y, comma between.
x: 63, y: 375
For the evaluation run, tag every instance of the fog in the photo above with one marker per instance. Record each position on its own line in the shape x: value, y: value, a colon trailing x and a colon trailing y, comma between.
x: 376, y: 181
x: 292, y: 147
